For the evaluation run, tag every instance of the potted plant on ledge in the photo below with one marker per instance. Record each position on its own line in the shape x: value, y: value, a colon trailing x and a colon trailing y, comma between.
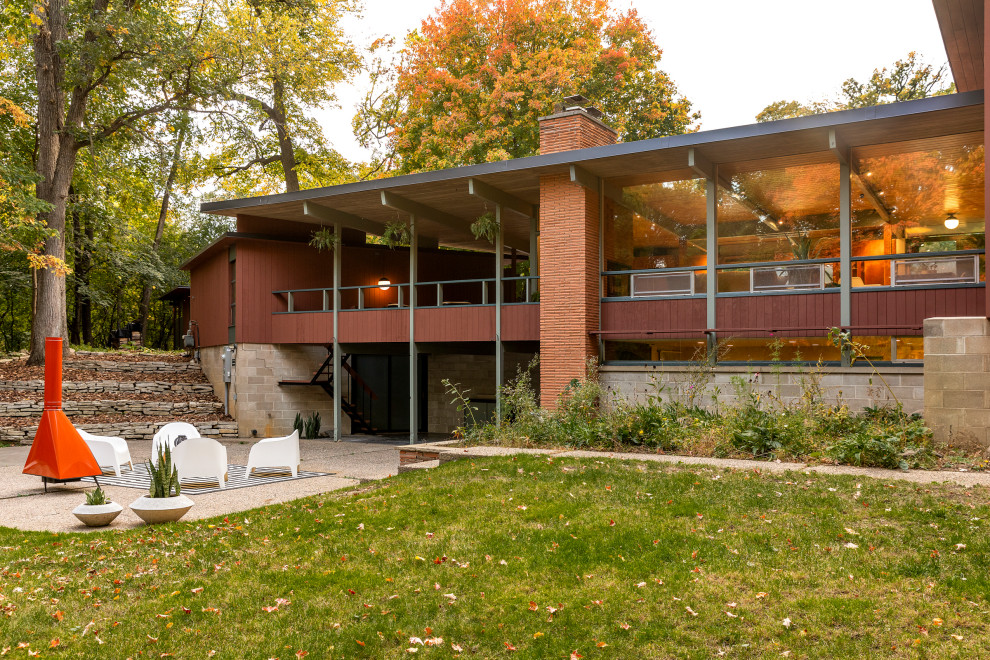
x: 98, y: 511
x: 160, y: 504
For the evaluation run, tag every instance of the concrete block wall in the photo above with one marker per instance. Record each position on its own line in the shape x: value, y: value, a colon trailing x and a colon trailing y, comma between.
x: 470, y: 372
x: 257, y: 401
x: 957, y: 380
x: 857, y: 387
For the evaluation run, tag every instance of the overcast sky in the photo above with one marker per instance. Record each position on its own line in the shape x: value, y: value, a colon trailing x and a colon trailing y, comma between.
x: 730, y: 58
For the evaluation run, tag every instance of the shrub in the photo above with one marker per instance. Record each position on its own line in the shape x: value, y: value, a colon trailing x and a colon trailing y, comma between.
x: 164, y: 476
x: 312, y: 427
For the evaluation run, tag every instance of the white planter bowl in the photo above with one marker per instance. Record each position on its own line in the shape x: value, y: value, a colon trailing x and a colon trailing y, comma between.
x: 97, y: 515
x: 154, y: 510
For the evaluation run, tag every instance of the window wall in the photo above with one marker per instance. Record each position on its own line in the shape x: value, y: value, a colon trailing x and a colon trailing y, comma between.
x: 656, y: 225
x: 779, y: 215
x: 922, y: 200
x: 916, y: 216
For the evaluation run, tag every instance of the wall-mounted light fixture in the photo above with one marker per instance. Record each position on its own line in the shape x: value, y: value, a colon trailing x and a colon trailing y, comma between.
x: 384, y: 283
x: 951, y: 221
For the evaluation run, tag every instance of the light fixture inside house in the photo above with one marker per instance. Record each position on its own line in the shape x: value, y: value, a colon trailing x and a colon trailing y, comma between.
x: 384, y: 283
x: 951, y: 221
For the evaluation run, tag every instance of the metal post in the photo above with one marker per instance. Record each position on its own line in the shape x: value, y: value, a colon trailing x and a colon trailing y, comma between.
x: 361, y: 297
x: 338, y: 380
x: 845, y: 251
x: 413, y: 357
x: 439, y: 294
x: 326, y: 301
x: 292, y: 302
x: 711, y: 259
x: 499, y: 295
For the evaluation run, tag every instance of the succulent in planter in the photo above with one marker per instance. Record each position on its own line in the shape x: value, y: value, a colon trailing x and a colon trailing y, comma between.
x: 98, y: 510
x: 160, y: 504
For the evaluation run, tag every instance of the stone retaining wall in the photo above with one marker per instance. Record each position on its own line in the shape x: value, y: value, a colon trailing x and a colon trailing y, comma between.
x: 113, y: 387
x: 114, y: 407
x: 132, y: 366
x: 127, y: 430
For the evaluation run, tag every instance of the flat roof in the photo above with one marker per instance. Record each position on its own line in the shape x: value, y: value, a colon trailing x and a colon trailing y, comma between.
x: 780, y: 143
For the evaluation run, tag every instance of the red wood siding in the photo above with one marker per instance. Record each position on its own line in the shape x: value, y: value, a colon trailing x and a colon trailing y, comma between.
x: 521, y: 323
x: 210, y: 299
x: 371, y: 325
x: 455, y: 323
x: 641, y: 316
x: 264, y: 266
x: 304, y: 328
x: 912, y: 306
x: 803, y: 310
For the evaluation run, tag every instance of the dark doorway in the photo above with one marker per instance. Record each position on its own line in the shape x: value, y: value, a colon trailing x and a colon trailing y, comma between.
x: 388, y: 377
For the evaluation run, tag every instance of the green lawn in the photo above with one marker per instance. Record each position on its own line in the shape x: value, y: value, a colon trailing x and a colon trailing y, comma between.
x: 528, y: 557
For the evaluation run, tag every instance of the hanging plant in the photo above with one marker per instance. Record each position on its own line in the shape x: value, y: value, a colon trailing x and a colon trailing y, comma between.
x: 486, y: 227
x: 396, y: 233
x: 324, y: 238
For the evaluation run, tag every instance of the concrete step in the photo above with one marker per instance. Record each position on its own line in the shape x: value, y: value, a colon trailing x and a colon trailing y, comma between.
x: 424, y: 465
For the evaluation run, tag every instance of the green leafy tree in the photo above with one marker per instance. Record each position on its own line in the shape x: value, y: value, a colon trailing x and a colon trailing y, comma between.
x: 277, y: 61
x: 905, y: 80
x: 474, y: 79
x: 99, y: 69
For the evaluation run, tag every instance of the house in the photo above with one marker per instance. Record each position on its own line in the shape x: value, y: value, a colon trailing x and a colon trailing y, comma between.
x: 749, y: 243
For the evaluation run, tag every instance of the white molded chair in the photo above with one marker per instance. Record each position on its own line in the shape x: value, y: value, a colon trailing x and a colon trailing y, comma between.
x: 197, y: 459
x: 108, y: 450
x: 166, y: 437
x: 275, y: 452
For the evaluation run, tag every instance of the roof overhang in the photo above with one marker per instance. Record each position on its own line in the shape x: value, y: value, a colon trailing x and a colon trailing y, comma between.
x: 961, y: 24
x: 448, y: 193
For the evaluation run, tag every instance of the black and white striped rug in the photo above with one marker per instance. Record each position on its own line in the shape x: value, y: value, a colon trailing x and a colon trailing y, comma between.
x: 139, y: 478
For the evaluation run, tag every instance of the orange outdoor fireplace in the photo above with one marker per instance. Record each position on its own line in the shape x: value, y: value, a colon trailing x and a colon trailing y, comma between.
x: 58, y: 453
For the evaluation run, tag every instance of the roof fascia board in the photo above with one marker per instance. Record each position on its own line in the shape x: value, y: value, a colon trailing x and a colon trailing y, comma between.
x: 565, y: 158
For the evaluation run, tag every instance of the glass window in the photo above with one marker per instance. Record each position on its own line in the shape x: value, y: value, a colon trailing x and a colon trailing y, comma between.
x: 652, y: 226
x: 783, y: 214
x: 923, y: 196
x: 663, y: 350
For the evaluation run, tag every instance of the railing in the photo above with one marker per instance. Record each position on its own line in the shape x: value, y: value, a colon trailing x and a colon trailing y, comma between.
x: 445, y: 293
x: 902, y: 270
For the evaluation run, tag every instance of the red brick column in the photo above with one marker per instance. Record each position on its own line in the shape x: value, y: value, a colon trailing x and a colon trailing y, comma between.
x: 569, y: 249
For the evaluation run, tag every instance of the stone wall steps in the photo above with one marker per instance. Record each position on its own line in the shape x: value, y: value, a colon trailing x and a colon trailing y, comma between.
x: 113, y: 407
x: 29, y: 387
x: 129, y: 430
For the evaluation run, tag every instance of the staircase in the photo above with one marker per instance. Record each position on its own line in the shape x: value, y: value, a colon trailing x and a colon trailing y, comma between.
x: 323, y: 377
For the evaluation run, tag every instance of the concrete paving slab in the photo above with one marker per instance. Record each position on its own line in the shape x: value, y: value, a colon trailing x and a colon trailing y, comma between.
x: 25, y: 505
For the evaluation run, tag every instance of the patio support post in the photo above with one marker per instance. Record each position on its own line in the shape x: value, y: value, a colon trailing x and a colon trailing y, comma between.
x: 711, y: 260
x: 534, y: 249
x: 499, y: 296
x: 338, y: 376
x: 845, y: 250
x: 413, y: 357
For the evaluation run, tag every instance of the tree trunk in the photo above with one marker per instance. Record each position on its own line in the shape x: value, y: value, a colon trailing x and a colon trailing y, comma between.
x: 56, y: 160
x: 145, y: 305
x: 286, y: 152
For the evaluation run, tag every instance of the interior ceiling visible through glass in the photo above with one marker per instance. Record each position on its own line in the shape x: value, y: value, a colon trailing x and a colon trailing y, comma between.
x: 922, y: 183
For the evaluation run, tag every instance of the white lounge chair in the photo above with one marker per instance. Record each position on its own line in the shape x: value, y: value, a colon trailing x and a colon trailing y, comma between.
x: 108, y: 450
x: 166, y: 437
x: 275, y: 452
x: 199, y: 459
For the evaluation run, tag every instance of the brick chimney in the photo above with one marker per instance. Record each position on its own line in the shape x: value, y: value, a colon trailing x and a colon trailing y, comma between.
x: 569, y: 244
x: 574, y: 124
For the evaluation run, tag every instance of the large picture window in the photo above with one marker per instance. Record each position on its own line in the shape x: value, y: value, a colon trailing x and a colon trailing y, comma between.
x: 923, y: 200
x: 659, y: 225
